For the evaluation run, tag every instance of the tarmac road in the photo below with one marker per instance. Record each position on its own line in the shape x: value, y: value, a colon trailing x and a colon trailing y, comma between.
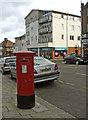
x: 69, y: 91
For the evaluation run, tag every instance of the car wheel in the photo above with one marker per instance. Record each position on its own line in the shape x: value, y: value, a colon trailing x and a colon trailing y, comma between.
x: 11, y: 75
x: 3, y: 72
x: 77, y: 62
x: 65, y: 62
x: 52, y: 81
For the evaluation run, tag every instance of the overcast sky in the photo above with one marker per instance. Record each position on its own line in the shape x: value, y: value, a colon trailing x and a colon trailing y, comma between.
x: 13, y: 12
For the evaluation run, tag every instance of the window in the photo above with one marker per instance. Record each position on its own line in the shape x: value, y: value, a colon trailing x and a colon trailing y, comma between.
x: 35, y: 27
x: 31, y: 28
x: 87, y: 27
x: 62, y: 16
x: 78, y: 37
x: 79, y: 28
x: 87, y: 11
x: 32, y: 38
x: 31, y: 19
x: 35, y: 37
x: 62, y: 37
x: 62, y: 25
x: 71, y: 37
x: 27, y: 33
x: 71, y: 27
x: 79, y: 19
x: 71, y: 17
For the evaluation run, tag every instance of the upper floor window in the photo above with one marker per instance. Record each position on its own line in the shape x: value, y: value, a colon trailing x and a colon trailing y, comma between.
x: 87, y: 27
x: 31, y: 28
x: 62, y: 37
x: 79, y: 19
x: 36, y: 37
x: 71, y: 27
x: 62, y: 25
x: 35, y: 27
x: 78, y: 37
x: 62, y: 16
x: 31, y: 19
x: 79, y: 28
x: 87, y: 11
x: 71, y: 37
x: 72, y: 17
x: 32, y: 38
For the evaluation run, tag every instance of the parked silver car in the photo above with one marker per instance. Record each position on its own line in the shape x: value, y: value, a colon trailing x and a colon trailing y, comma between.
x: 44, y: 70
x: 5, y: 63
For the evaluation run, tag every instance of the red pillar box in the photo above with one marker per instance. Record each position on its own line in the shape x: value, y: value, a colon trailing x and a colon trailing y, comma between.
x: 25, y: 79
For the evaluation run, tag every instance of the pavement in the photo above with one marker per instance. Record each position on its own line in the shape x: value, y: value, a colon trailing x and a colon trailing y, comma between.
x: 8, y: 104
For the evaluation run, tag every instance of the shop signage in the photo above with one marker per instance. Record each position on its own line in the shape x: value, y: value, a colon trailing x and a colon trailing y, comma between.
x: 61, y: 48
x: 44, y: 49
x: 34, y: 49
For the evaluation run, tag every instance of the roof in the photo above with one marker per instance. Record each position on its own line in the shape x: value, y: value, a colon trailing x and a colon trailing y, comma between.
x: 9, y: 43
x: 53, y: 11
x: 20, y: 37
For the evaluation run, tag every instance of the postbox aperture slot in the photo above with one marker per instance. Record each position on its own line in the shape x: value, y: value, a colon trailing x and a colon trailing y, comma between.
x: 24, y: 61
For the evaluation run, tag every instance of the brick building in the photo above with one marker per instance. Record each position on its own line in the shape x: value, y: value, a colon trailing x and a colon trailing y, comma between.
x: 0, y: 49
x: 84, y: 13
x: 7, y: 47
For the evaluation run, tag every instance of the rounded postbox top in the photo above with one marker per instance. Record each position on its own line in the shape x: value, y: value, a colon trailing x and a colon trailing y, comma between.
x: 24, y: 53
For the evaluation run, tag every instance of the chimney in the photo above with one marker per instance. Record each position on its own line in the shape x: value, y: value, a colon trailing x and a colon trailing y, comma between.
x: 5, y: 39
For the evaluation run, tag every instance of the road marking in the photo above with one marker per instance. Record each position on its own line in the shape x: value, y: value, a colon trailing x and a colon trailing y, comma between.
x: 81, y: 74
x: 66, y: 83
x: 61, y: 81
x: 70, y: 84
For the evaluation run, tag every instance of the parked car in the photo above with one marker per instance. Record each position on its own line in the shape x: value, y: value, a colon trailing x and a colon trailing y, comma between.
x: 44, y: 70
x: 77, y: 59
x: 5, y: 64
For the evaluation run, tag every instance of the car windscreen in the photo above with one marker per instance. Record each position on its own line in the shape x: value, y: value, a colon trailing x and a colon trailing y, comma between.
x: 10, y: 60
x: 79, y: 56
x: 41, y: 61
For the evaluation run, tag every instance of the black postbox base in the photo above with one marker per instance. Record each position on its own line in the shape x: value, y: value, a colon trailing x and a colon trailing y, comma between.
x: 26, y: 102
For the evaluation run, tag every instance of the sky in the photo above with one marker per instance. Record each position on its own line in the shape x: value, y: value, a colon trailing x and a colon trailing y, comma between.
x: 13, y: 12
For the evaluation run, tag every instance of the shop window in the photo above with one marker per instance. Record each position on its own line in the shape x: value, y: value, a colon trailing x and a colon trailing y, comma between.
x: 60, y: 53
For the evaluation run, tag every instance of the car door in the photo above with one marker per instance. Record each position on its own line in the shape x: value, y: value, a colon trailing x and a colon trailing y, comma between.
x: 69, y: 59
x: 13, y: 69
x: 73, y: 58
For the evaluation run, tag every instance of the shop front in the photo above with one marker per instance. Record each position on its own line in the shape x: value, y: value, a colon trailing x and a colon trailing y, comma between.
x: 59, y: 52
x: 85, y: 47
x: 46, y: 52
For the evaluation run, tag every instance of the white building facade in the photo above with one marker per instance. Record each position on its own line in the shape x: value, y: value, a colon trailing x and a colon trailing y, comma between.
x: 20, y: 44
x: 53, y: 34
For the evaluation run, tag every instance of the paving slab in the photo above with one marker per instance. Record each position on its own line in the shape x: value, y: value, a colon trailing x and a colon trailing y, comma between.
x: 42, y: 109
